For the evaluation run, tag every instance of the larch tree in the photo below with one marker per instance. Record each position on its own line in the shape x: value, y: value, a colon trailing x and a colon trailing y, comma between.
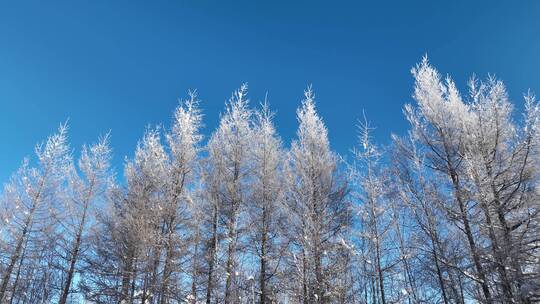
x: 437, y: 123
x: 87, y: 187
x: 319, y: 212
x: 499, y: 161
x: 108, y: 265
x: 430, y: 236
x: 183, y: 142
x: 229, y: 171
x: 28, y: 201
x: 265, y: 205
x: 146, y: 178
x: 372, y: 193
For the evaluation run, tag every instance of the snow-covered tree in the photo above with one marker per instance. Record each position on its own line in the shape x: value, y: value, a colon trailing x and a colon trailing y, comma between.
x: 154, y: 211
x: 28, y: 204
x: 183, y: 143
x: 503, y: 171
x: 229, y: 171
x: 430, y: 237
x: 87, y: 185
x: 437, y: 123
x: 319, y: 213
x: 266, y: 203
x: 377, y: 258
x: 484, y: 161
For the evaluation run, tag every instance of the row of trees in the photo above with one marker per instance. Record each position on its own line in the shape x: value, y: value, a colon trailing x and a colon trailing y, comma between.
x: 449, y: 213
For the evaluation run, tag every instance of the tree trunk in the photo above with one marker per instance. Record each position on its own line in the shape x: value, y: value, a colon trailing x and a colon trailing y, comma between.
x: 499, y: 258
x: 438, y: 269
x: 19, y: 271
x: 75, y: 250
x: 15, y: 257
x: 230, y: 267
x: 195, y: 268
x: 319, y: 276
x: 470, y: 238
x: 212, y: 257
x: 379, y: 270
x: 126, y: 278
x: 169, y: 248
x: 305, y: 289
x: 263, y: 257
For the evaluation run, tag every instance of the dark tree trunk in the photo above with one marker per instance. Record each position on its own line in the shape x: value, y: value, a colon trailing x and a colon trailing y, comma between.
x: 212, y: 257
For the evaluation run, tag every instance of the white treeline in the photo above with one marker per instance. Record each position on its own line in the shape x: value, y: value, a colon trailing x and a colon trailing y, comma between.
x: 448, y: 213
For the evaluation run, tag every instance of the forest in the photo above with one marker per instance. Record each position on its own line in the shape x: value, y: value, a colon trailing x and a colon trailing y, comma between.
x: 447, y: 213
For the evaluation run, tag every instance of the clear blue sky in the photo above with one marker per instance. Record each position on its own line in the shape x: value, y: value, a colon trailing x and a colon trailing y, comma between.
x: 121, y: 65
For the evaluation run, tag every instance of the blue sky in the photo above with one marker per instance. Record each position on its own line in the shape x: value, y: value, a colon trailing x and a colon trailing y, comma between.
x: 121, y: 65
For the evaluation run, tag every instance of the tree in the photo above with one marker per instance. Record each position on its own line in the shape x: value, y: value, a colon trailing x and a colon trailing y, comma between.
x: 502, y: 172
x: 228, y: 173
x: 483, y: 159
x: 437, y: 124
x: 319, y: 211
x: 265, y: 204
x: 85, y: 190
x: 28, y: 200
x: 430, y: 235
x: 183, y: 141
x: 374, y: 209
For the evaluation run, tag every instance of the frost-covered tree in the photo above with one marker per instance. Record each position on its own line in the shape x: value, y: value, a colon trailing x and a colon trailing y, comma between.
x: 377, y: 259
x: 146, y: 177
x: 437, y: 123
x: 499, y: 159
x: 154, y: 211
x: 87, y: 185
x: 183, y: 143
x: 430, y: 238
x: 266, y: 203
x: 229, y: 171
x: 107, y: 265
x: 483, y: 160
x: 319, y: 213
x: 28, y: 201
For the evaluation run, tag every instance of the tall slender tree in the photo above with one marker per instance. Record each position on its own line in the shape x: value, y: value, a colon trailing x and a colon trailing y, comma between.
x: 183, y: 142
x: 318, y: 208
x: 28, y: 200
x: 86, y: 189
x: 229, y: 172
x: 265, y: 206
x: 438, y: 123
